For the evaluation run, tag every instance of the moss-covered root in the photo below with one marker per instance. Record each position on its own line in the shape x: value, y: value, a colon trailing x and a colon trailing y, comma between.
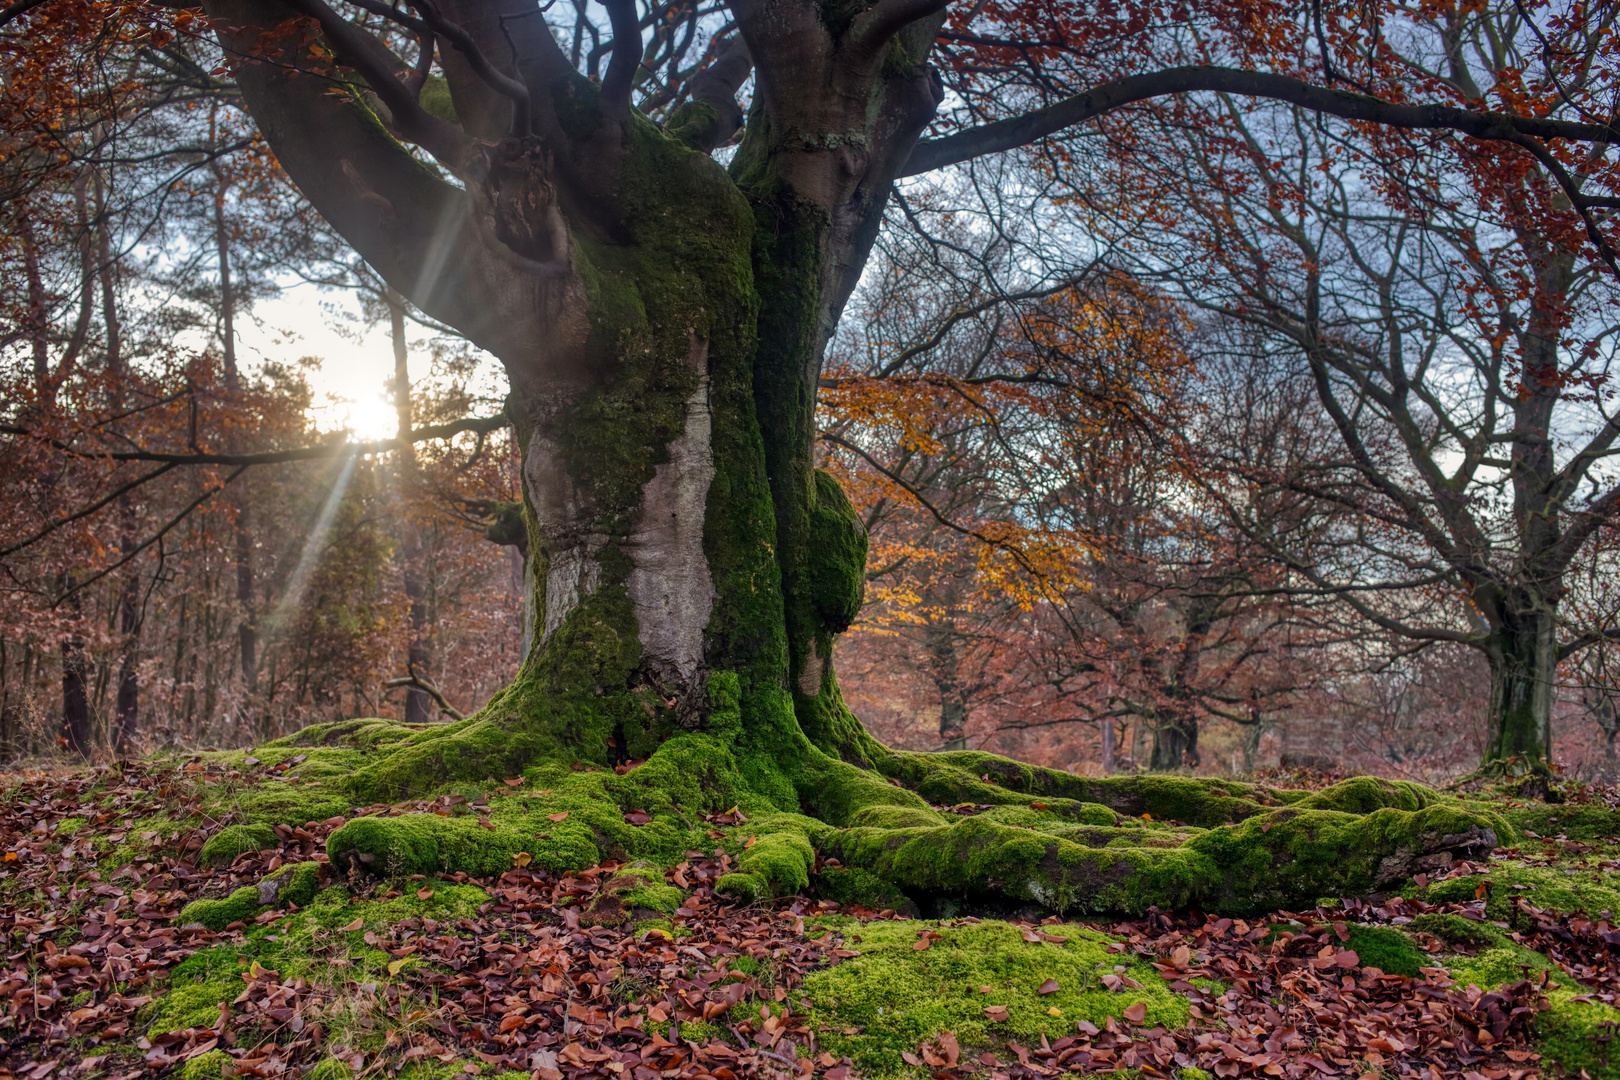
x: 291, y: 885
x: 429, y: 844
x: 973, y: 776
x: 777, y: 862
x: 1285, y: 858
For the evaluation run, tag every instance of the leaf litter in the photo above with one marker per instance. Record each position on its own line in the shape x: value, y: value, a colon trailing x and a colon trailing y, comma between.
x: 525, y: 987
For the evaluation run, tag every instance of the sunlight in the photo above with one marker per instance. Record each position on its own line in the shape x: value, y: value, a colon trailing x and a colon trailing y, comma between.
x: 370, y: 419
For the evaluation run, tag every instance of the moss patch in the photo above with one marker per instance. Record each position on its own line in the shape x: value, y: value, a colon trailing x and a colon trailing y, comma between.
x: 1585, y: 889
x: 233, y: 840
x: 897, y: 996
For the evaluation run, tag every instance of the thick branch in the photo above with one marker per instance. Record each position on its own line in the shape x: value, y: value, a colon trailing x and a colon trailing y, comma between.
x: 1019, y: 131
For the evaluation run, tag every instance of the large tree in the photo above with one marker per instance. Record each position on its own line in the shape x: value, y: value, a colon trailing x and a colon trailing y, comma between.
x: 662, y: 317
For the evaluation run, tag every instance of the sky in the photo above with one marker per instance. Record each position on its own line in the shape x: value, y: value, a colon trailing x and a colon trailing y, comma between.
x: 351, y: 383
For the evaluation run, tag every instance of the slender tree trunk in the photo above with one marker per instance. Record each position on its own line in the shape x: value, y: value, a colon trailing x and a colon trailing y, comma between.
x: 126, y: 702
x: 1523, y: 656
x: 1108, y: 738
x: 418, y: 705
x: 247, y: 627
x: 75, y: 736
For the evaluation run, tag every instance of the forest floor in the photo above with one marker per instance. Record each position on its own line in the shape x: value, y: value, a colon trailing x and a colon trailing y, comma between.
x: 1494, y: 971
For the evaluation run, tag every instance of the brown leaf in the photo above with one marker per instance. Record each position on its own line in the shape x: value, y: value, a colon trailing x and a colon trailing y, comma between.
x: 1347, y: 959
x: 516, y: 782
x: 996, y: 1013
x: 558, y: 816
x: 1050, y: 986
x: 424, y: 894
x: 1136, y: 1012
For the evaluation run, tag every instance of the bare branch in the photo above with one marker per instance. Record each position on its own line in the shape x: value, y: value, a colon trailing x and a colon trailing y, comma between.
x: 1021, y: 130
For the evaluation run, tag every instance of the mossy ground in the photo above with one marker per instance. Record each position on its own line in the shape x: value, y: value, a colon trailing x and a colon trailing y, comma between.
x: 890, y: 998
x: 872, y: 1007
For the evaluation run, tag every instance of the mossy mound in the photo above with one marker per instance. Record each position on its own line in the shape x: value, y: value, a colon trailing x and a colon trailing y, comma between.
x: 233, y: 840
x: 884, y: 1002
x: 295, y: 885
x: 1387, y: 949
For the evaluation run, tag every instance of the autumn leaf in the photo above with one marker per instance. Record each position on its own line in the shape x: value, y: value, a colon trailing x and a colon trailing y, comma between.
x: 558, y: 816
x: 1050, y: 986
x: 394, y: 966
x: 996, y: 1013
x: 516, y: 782
x: 1180, y: 956
x: 521, y: 859
x: 424, y: 894
x: 1347, y: 959
x: 357, y: 924
x: 1136, y: 1012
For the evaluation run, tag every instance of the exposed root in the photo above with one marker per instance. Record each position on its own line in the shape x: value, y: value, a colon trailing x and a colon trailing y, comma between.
x: 919, y: 826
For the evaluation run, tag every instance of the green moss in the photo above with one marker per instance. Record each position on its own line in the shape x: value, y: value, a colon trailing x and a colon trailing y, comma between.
x: 857, y: 886
x: 1494, y: 967
x: 1364, y: 794
x: 192, y: 1006
x: 896, y: 996
x: 240, y: 906
x: 1456, y: 930
x: 331, y: 1069
x: 1577, y: 822
x: 205, y: 1066
x: 233, y: 840
x: 973, y: 776
x: 1577, y: 1037
x: 1282, y: 859
x: 1585, y: 889
x: 835, y: 564
x: 296, y: 884
x: 1387, y: 949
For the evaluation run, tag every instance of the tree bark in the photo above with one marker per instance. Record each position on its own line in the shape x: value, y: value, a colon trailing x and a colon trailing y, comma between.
x: 247, y: 627
x: 418, y: 704
x: 1175, y: 743
x: 126, y: 699
x: 1523, y: 657
x: 75, y: 681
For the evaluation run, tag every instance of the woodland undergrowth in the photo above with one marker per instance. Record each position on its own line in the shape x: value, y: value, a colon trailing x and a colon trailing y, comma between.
x: 156, y: 925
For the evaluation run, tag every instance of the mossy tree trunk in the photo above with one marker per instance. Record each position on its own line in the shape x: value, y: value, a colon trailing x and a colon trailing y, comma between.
x: 661, y: 320
x: 1523, y: 656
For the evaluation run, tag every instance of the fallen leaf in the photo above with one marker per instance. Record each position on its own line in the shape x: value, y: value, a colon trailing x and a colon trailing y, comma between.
x: 1136, y: 1012
x: 997, y: 1013
x: 558, y: 816
x: 517, y: 782
x: 1050, y: 986
x: 424, y: 894
x: 521, y: 859
x: 357, y: 924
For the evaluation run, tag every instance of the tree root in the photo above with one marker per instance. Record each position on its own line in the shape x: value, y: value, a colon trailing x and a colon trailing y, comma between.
x: 917, y: 826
